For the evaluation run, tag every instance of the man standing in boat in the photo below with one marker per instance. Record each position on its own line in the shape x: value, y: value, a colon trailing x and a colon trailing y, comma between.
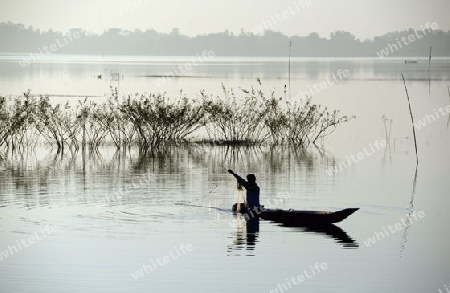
x: 252, y: 190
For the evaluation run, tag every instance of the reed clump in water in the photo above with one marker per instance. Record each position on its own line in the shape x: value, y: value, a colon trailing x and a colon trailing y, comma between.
x: 307, y: 123
x: 14, y: 121
x: 153, y: 121
x: 26, y: 120
x: 255, y: 118
x: 119, y: 129
x: 159, y: 121
x: 234, y: 120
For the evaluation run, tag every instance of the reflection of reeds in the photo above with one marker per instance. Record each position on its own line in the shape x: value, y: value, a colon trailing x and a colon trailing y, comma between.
x: 412, y: 120
x: 198, y: 171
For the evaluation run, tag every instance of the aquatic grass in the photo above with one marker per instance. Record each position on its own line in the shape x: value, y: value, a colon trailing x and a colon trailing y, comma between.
x: 16, y: 122
x: 234, y: 120
x: 257, y: 119
x: 154, y: 121
x: 308, y: 122
x: 276, y: 119
x: 58, y: 123
x: 118, y: 127
x: 94, y: 123
x: 159, y: 121
x: 4, y: 124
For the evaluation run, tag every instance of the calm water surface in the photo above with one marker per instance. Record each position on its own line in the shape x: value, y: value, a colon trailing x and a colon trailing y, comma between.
x: 113, y: 213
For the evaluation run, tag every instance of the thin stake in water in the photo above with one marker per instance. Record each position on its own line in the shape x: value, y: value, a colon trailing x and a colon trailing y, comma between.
x: 412, y: 120
x: 429, y: 73
x: 448, y: 90
x: 289, y: 67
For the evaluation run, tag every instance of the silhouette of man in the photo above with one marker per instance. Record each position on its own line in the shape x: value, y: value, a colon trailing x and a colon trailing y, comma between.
x: 252, y: 189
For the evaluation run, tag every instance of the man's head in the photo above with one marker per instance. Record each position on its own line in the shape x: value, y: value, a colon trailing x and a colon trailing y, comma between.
x: 251, y: 178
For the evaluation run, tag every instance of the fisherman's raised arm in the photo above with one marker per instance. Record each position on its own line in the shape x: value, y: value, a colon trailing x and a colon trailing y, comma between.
x: 239, y: 178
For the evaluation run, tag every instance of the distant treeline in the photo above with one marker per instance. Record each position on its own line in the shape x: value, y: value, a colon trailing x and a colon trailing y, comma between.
x: 16, y: 38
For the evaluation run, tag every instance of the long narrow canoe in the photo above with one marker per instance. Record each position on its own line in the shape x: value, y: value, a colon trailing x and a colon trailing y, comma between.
x: 300, y: 218
x: 315, y: 218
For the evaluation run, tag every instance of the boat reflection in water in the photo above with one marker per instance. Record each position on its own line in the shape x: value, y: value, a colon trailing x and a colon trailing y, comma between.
x: 330, y: 230
x: 247, y: 234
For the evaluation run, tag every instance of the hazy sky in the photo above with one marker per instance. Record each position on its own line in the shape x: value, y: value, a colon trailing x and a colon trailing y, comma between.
x: 364, y: 18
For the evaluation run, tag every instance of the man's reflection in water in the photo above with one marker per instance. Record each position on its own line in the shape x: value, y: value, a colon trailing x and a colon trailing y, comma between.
x: 245, y: 237
x: 252, y: 232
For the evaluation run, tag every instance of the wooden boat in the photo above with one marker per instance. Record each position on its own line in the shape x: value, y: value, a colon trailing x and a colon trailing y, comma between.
x: 312, y: 218
x: 296, y: 217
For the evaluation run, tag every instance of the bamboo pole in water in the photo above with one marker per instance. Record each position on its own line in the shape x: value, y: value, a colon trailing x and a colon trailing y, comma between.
x: 289, y: 67
x: 413, y: 193
x: 412, y: 120
x: 448, y: 90
x: 429, y: 73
